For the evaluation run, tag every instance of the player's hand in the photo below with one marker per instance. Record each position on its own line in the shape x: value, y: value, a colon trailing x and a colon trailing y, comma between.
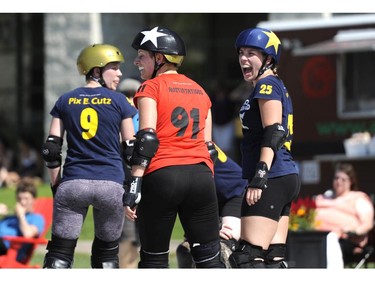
x: 253, y: 195
x: 226, y: 232
x: 131, y: 213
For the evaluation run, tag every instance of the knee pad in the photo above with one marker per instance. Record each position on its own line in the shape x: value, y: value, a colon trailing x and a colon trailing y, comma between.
x: 227, y: 248
x: 248, y: 256
x: 104, y: 254
x: 207, y: 255
x: 276, y: 256
x: 232, y: 244
x: 153, y: 260
x: 183, y: 255
x: 56, y: 263
x: 60, y: 253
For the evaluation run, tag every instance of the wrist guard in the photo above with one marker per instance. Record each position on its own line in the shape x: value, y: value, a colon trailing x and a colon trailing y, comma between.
x: 51, y: 151
x: 132, y: 194
x: 261, y: 176
x: 214, y: 154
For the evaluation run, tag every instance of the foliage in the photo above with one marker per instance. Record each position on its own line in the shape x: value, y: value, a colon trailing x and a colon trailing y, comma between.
x: 302, y: 214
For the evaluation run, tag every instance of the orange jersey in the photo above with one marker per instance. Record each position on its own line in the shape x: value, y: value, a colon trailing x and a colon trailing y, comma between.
x: 182, y: 108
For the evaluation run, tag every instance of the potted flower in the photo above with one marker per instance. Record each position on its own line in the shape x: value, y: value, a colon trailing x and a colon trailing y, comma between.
x: 306, y: 246
x: 302, y: 214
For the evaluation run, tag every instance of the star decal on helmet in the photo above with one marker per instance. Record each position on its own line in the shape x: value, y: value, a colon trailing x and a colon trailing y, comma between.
x: 272, y: 40
x: 152, y: 36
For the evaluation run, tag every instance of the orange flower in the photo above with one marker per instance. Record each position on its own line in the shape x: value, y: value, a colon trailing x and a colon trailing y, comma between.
x: 301, y: 212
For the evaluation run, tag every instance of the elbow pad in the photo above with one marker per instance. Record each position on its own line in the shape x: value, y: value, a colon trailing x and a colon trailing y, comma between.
x: 127, y: 151
x: 145, y: 147
x: 51, y: 151
x: 274, y: 136
x: 214, y: 154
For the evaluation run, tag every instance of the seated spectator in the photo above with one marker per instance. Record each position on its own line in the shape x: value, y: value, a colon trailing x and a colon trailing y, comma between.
x: 24, y: 222
x: 346, y: 211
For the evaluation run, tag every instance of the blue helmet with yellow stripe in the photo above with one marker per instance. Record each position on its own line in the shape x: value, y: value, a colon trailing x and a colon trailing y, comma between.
x: 262, y: 39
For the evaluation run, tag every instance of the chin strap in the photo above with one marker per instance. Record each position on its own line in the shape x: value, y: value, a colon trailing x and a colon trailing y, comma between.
x: 156, y: 68
x: 264, y: 67
x: 100, y: 80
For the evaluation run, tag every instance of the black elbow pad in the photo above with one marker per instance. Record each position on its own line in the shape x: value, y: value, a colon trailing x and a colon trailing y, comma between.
x: 127, y: 151
x: 145, y: 147
x: 51, y: 151
x: 214, y: 154
x: 274, y: 136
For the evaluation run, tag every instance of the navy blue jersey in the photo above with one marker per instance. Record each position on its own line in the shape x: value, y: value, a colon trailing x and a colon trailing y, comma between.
x: 92, y: 120
x: 271, y: 88
x: 228, y: 180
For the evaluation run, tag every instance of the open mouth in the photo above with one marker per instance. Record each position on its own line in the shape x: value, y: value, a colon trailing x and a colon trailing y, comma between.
x: 247, y: 70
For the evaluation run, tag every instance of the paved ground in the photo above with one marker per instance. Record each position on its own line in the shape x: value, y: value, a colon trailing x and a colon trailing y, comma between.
x: 82, y: 247
x: 85, y: 247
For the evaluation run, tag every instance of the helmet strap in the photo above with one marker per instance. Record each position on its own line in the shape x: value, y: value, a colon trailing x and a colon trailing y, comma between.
x: 264, y: 67
x: 156, y: 68
x: 100, y: 80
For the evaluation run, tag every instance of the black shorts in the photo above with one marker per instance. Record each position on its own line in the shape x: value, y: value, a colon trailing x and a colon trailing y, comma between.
x: 276, y: 198
x: 184, y: 190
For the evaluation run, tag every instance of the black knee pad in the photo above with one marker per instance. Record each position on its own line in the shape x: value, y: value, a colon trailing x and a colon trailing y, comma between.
x: 232, y: 244
x: 227, y: 248
x: 248, y: 256
x: 183, y: 255
x: 55, y: 262
x: 153, y: 260
x: 207, y: 255
x: 104, y: 254
x: 60, y: 253
x: 276, y: 256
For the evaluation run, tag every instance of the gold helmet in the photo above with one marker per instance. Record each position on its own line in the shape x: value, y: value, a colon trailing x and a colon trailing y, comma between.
x: 97, y: 55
